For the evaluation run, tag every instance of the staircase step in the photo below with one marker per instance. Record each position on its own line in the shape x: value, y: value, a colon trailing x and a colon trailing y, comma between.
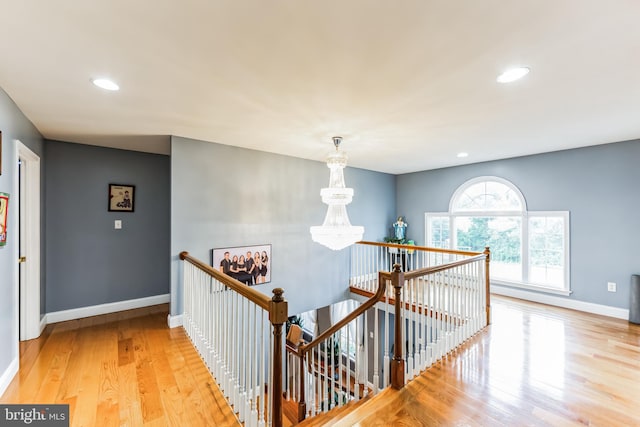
x: 335, y: 415
x: 359, y: 412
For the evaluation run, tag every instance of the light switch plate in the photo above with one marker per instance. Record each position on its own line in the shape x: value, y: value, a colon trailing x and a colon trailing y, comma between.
x: 118, y: 224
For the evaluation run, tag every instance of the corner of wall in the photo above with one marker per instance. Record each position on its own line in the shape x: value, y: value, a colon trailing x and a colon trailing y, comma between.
x: 174, y: 321
x: 8, y: 374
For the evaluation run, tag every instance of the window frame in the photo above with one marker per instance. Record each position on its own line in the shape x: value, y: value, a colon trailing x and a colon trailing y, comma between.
x: 525, y: 237
x: 566, y: 290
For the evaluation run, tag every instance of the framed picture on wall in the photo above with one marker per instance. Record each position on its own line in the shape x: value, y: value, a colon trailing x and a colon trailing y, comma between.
x: 250, y: 265
x: 121, y: 197
x: 4, y: 210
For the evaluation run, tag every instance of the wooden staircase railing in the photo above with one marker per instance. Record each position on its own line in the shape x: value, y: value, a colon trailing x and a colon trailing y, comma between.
x: 367, y: 258
x: 323, y: 371
x: 409, y: 320
x: 238, y: 333
x: 443, y: 300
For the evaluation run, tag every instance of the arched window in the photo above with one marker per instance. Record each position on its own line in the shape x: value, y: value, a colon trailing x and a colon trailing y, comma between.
x: 528, y: 249
x: 487, y: 194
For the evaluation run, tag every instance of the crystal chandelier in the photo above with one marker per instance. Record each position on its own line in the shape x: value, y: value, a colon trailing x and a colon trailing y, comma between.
x: 336, y: 232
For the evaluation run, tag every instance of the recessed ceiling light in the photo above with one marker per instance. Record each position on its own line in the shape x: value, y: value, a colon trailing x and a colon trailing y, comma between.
x: 462, y: 154
x: 513, y: 74
x: 106, y: 84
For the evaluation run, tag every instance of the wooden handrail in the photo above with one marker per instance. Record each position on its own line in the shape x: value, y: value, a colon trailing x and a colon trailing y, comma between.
x: 397, y: 278
x: 486, y: 254
x: 420, y: 248
x: 431, y: 270
x: 251, y: 294
x: 305, y: 348
x: 278, y: 310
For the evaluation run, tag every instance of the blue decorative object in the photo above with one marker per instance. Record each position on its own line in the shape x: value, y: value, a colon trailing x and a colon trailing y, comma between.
x: 400, y: 228
x: 399, y: 235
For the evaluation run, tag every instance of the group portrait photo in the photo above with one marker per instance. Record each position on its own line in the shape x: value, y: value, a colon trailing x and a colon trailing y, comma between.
x: 250, y: 265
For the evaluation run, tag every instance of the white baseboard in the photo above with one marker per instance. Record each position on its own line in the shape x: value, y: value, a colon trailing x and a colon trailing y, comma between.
x: 588, y: 307
x: 112, y: 307
x: 43, y: 324
x: 8, y: 374
x: 174, y: 321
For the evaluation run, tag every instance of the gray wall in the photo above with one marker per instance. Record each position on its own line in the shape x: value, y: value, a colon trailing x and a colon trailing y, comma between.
x: 14, y: 125
x: 223, y: 196
x: 88, y: 261
x: 597, y: 185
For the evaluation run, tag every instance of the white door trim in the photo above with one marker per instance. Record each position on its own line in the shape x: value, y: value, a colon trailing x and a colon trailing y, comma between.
x: 29, y: 198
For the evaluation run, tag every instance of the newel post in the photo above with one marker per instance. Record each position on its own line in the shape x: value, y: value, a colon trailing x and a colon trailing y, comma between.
x: 397, y: 363
x: 278, y: 313
x: 487, y: 283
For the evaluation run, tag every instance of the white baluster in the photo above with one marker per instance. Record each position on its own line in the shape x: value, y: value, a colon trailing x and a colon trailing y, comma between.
x: 365, y: 380
x: 255, y: 359
x: 358, y: 361
x: 410, y: 327
x: 424, y: 312
x: 242, y: 356
x: 385, y: 360
x: 376, y: 351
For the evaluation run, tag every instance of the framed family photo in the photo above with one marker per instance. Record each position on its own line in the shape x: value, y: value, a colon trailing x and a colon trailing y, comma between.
x: 121, y: 197
x: 250, y: 265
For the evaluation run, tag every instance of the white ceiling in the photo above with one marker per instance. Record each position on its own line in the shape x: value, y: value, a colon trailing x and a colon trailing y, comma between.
x: 407, y: 83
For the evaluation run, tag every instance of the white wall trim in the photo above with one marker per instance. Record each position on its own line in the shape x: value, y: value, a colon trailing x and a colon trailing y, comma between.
x: 95, y: 310
x: 29, y: 199
x: 43, y: 323
x: 174, y: 321
x: 588, y: 307
x: 7, y: 376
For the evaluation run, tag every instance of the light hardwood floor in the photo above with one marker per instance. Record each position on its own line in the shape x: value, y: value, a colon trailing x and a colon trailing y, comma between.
x: 535, y: 365
x: 122, y: 369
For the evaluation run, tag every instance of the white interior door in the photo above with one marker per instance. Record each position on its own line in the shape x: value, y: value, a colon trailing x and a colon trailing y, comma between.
x: 28, y: 192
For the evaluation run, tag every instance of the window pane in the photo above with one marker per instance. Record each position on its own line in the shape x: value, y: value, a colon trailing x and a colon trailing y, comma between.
x: 503, y: 235
x: 437, y: 237
x: 438, y: 229
x: 488, y: 196
x: 546, y: 250
x: 489, y: 211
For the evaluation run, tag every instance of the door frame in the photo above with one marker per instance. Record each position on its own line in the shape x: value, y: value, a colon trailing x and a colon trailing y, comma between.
x: 28, y: 279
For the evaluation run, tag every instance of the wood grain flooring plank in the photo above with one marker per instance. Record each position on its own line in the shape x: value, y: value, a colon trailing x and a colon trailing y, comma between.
x: 150, y: 401
x: 130, y: 410
x: 125, y: 351
x: 534, y: 366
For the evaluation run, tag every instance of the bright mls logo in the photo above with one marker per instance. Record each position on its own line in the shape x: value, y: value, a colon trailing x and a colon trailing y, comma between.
x: 36, y: 415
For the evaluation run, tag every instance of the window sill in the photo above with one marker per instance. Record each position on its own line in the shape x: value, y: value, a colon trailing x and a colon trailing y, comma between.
x: 532, y: 287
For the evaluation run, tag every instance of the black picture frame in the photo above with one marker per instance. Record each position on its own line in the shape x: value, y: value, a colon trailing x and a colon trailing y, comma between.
x: 121, y: 197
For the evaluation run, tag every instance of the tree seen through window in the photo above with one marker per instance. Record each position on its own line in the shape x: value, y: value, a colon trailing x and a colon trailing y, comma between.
x: 527, y: 248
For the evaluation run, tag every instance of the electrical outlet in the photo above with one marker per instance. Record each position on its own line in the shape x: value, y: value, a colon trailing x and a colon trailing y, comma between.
x: 611, y: 286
